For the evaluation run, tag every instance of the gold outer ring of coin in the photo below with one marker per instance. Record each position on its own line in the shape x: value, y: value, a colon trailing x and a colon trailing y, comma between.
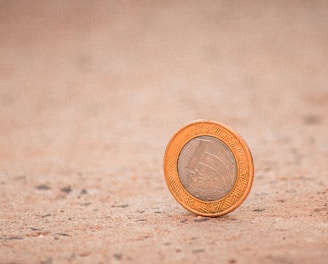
x: 244, y: 164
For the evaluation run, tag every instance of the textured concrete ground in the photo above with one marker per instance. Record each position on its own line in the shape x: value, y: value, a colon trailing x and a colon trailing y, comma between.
x: 90, y: 94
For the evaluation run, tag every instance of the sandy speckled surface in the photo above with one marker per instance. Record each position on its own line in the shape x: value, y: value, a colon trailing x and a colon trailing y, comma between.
x: 92, y: 91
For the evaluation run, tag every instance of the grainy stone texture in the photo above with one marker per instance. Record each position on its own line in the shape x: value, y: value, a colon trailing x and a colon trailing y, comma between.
x: 90, y: 94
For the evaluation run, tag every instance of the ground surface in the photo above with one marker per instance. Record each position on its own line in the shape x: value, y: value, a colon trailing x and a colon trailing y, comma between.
x: 90, y: 94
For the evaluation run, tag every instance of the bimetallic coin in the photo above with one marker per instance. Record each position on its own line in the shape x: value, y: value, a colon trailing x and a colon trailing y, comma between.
x: 208, y: 168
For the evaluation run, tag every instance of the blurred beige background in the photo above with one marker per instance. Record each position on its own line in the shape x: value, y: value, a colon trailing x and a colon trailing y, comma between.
x: 90, y: 94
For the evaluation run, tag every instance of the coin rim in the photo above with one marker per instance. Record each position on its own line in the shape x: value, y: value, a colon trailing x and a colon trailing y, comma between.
x: 245, y: 170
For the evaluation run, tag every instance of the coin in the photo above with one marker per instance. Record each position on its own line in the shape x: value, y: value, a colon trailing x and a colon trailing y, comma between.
x: 208, y: 168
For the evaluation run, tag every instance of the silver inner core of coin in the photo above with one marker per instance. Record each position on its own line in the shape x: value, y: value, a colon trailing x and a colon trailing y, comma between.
x: 207, y: 168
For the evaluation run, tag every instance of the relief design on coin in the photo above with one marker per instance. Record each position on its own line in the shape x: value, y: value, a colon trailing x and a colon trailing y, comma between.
x: 208, y: 168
